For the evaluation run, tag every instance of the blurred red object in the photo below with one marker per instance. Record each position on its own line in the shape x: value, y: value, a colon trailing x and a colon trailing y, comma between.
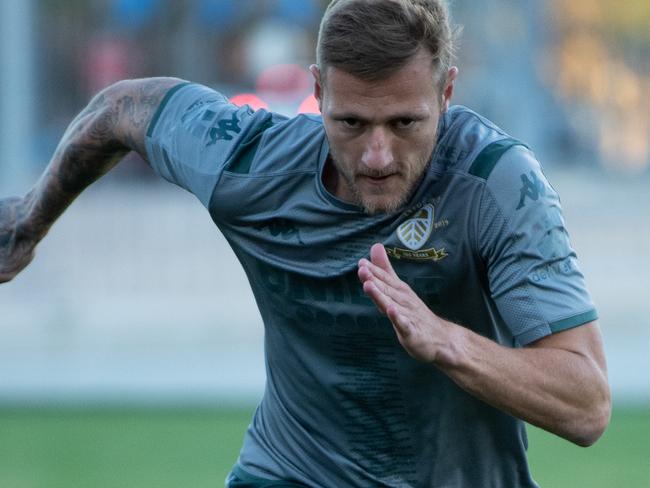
x: 250, y: 99
x: 309, y: 106
x: 107, y: 61
x: 287, y: 81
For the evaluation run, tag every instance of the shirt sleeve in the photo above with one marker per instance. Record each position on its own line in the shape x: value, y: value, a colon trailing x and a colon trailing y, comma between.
x: 532, y: 269
x: 196, y: 134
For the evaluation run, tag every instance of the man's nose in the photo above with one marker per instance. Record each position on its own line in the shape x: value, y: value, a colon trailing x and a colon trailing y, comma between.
x: 378, y: 152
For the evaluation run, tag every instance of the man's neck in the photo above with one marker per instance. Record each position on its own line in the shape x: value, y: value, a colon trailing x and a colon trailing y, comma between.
x: 334, y: 182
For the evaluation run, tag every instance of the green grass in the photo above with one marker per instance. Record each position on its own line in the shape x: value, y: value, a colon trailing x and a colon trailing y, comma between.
x: 620, y: 458
x: 119, y: 448
x: 57, y: 448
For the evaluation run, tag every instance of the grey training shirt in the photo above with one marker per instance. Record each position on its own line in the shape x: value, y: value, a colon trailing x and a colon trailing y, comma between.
x: 482, y: 241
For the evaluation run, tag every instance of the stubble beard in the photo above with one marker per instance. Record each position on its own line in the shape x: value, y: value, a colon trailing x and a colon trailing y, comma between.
x: 409, y: 178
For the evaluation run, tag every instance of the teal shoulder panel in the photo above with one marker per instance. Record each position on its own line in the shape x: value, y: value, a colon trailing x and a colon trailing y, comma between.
x: 489, y: 156
x: 242, y: 159
x: 574, y: 321
x: 163, y: 103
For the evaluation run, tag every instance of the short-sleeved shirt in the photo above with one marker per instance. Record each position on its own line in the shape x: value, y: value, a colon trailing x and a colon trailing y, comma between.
x: 481, y: 240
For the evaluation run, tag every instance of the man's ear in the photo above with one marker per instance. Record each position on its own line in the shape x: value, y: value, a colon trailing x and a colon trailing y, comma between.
x: 448, y: 89
x: 318, y: 87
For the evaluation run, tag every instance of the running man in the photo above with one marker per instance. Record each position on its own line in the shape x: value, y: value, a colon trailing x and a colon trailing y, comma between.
x: 422, y: 300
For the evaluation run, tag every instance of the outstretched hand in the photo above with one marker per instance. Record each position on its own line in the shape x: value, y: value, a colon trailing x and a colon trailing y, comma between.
x: 16, y: 247
x: 419, y: 330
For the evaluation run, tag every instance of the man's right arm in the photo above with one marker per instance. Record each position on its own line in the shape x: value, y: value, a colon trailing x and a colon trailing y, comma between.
x: 114, y: 123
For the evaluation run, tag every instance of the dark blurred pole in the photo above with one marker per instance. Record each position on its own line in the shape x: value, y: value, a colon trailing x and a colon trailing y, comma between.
x: 17, y: 135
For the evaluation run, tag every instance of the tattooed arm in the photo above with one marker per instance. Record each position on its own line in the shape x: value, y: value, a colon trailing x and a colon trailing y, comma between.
x: 113, y: 123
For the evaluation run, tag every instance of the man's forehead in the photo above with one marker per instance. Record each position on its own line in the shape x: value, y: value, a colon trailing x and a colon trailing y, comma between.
x: 404, y: 94
x: 420, y: 69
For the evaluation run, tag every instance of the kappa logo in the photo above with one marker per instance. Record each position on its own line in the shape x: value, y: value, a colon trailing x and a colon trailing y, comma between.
x: 223, y: 129
x: 414, y: 233
x: 222, y: 132
x: 531, y: 188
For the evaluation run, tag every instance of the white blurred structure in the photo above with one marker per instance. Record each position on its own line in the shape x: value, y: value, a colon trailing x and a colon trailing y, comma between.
x: 134, y: 297
x: 16, y: 93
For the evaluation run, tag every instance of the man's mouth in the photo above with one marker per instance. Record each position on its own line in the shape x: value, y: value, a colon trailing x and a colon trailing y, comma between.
x: 377, y: 179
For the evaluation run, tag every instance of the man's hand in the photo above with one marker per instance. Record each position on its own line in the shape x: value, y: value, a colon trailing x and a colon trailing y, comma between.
x: 558, y: 383
x: 419, y: 330
x: 16, y: 245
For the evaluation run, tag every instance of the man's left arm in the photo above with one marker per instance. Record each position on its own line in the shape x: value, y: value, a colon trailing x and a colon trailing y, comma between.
x: 558, y: 383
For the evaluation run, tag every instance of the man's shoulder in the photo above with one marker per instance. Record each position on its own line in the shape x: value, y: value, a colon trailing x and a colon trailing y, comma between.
x: 472, y: 144
x: 288, y: 145
x: 250, y: 141
x: 190, y: 101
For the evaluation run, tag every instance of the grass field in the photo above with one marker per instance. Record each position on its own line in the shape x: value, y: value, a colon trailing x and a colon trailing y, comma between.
x: 41, y: 448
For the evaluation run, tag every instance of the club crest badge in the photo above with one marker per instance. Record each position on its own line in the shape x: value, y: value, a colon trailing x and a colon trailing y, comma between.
x: 414, y: 234
x: 415, y: 231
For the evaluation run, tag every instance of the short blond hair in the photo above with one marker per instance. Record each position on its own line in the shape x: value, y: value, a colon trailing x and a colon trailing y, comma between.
x: 371, y: 39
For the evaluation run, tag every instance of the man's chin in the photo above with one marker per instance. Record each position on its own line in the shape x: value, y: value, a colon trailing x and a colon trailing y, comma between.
x: 374, y: 205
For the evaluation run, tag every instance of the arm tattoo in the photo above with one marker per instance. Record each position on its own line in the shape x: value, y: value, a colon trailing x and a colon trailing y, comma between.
x: 113, y: 123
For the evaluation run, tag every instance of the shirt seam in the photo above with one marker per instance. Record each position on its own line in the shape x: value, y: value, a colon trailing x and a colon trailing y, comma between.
x: 164, y: 103
x: 545, y: 323
x: 591, y: 310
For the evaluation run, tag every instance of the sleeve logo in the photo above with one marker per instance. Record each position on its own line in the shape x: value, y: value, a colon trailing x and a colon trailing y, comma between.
x: 223, y: 129
x: 531, y: 188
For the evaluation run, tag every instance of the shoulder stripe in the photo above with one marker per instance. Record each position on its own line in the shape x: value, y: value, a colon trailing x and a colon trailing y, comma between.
x: 163, y: 103
x: 242, y: 160
x: 490, y: 155
x: 574, y: 321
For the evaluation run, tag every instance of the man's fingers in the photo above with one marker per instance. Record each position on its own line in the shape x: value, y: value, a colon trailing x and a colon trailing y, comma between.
x: 385, y: 276
x: 364, y: 272
x: 377, y: 290
x: 400, y: 322
x: 402, y: 325
x: 382, y: 302
x: 389, y: 284
x: 379, y: 258
x: 383, y: 286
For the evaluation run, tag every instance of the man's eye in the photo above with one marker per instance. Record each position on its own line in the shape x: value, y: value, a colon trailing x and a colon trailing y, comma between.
x: 404, y: 123
x: 351, y: 123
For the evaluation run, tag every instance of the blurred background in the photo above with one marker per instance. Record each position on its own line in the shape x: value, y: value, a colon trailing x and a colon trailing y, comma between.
x: 135, y: 299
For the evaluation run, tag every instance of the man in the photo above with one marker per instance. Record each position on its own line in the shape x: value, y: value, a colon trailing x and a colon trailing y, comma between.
x: 422, y: 296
